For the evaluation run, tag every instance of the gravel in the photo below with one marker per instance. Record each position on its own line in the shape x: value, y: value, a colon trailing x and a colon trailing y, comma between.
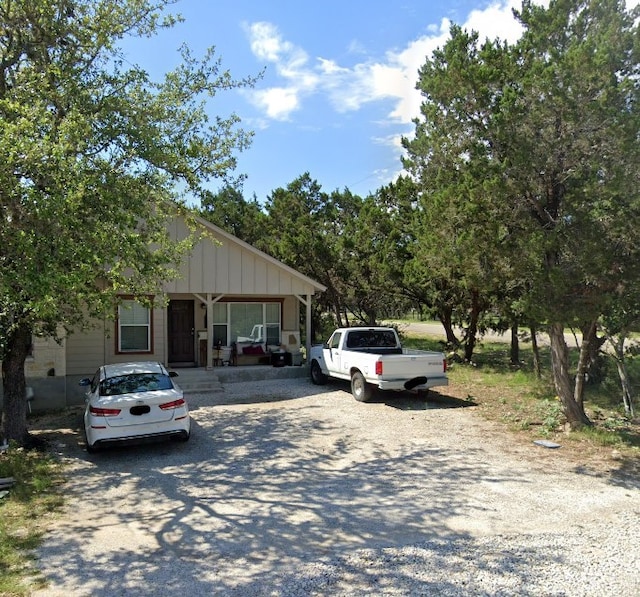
x: 288, y: 489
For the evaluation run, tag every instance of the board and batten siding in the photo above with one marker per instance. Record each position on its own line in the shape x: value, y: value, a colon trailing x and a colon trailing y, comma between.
x: 88, y: 350
x: 225, y: 265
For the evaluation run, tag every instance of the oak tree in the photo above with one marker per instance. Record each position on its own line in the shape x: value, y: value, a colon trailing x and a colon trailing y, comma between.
x: 94, y: 155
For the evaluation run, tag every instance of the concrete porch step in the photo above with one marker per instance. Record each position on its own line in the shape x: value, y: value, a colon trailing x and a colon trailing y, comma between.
x: 228, y: 375
x: 198, y: 381
x: 201, y: 388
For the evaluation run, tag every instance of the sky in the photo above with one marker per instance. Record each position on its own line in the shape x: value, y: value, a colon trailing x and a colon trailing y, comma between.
x: 338, y: 89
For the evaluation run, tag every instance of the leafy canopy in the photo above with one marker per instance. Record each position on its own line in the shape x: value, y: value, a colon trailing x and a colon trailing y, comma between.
x: 94, y: 153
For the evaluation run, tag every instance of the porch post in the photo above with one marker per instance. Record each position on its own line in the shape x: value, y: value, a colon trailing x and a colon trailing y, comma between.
x: 308, y: 326
x: 209, y: 332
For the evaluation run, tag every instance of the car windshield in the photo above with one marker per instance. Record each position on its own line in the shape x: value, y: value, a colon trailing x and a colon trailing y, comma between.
x: 136, y: 382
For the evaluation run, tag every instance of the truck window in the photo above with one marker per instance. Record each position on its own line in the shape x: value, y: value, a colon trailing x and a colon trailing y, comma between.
x: 334, y: 341
x: 386, y: 338
x: 371, y: 339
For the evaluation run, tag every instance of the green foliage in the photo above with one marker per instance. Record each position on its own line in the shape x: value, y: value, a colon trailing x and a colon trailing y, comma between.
x: 92, y: 153
x: 97, y: 158
x: 230, y: 211
x: 552, y: 416
x: 526, y: 157
x: 34, y: 496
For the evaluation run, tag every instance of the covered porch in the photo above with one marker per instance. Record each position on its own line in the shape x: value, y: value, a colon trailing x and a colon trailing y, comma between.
x: 208, y: 331
x: 232, y: 304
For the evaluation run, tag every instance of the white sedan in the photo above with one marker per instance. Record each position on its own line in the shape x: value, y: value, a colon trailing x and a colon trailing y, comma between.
x: 134, y: 401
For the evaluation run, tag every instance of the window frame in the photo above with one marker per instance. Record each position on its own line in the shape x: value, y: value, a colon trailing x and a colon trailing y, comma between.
x: 118, y: 325
x: 267, y: 323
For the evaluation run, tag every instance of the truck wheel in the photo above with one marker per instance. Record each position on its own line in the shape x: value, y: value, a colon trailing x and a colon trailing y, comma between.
x: 317, y: 376
x: 360, y: 389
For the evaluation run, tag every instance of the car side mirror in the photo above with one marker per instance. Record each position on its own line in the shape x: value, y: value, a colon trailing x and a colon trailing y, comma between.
x: 85, y: 381
x: 173, y: 374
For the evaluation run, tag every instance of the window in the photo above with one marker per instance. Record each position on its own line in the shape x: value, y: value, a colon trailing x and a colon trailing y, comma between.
x: 137, y: 382
x: 257, y: 323
x: 334, y: 342
x: 246, y: 322
x: 134, y: 327
x: 220, y: 325
x: 272, y: 324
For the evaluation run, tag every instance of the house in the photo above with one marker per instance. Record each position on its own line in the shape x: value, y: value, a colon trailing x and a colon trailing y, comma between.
x: 228, y: 295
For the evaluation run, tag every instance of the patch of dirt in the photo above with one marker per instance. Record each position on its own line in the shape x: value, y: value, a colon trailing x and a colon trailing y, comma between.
x: 580, y: 451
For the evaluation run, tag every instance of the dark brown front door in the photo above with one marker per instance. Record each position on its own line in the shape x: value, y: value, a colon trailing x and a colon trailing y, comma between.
x: 180, y: 332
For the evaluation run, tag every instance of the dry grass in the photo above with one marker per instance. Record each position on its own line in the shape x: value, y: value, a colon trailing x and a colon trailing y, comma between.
x: 528, y: 407
x: 24, y: 511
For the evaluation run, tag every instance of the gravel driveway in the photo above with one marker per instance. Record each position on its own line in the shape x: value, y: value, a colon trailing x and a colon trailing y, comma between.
x: 290, y: 489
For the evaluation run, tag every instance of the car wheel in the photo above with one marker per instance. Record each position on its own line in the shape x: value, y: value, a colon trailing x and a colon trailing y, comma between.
x: 317, y: 376
x: 361, y: 390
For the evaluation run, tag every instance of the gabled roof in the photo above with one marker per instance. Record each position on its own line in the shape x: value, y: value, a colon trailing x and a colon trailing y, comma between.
x: 232, y: 266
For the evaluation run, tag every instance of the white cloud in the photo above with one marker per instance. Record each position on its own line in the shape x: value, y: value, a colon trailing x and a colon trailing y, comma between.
x: 497, y: 20
x: 267, y: 44
x: 349, y: 88
x: 277, y: 102
x: 291, y: 65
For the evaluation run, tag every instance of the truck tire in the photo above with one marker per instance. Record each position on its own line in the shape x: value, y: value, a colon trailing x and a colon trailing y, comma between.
x: 317, y: 376
x: 361, y: 390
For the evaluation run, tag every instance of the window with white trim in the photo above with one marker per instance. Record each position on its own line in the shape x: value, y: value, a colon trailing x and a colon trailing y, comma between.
x: 258, y: 323
x: 134, y: 327
x: 220, y: 325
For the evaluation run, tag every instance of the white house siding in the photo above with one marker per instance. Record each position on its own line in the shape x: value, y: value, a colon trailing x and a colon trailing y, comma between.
x: 47, y: 358
x: 87, y: 350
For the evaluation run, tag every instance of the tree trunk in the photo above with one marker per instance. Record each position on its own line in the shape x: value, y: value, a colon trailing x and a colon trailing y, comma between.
x: 515, y: 346
x: 472, y: 330
x: 447, y: 324
x: 14, y: 405
x: 574, y: 411
x: 627, y: 396
x: 537, y: 368
x: 586, y: 358
x: 627, y: 393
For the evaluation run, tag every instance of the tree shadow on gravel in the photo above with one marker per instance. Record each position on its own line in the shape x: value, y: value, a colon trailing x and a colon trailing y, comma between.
x: 405, y: 400
x: 254, y: 392
x: 259, y: 496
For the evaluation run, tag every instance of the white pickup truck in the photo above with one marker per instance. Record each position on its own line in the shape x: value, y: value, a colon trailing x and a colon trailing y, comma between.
x: 374, y: 358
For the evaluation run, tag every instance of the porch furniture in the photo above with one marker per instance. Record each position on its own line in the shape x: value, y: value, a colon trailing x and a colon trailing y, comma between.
x: 222, y: 355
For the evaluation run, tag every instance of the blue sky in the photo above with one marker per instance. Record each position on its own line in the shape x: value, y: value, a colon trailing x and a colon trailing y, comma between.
x: 339, y: 85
